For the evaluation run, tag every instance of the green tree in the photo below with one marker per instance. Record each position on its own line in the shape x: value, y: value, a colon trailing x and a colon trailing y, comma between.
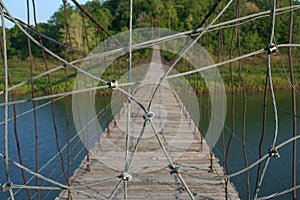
x: 18, y: 43
x: 102, y: 15
x: 171, y: 14
x: 143, y: 20
x: 157, y: 8
x: 77, y: 32
x: 52, y: 31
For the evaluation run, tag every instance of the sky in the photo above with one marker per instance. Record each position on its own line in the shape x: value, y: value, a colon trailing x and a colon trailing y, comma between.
x: 44, y: 9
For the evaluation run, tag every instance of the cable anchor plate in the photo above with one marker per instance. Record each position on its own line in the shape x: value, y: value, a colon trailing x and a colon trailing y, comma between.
x: 125, y: 176
x: 148, y: 115
x: 6, y: 186
x: 274, y: 152
x: 113, y: 84
x: 174, y: 170
x: 271, y: 48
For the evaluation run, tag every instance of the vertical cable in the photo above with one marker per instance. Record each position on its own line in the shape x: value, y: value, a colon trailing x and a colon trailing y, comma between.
x: 84, y: 44
x: 68, y: 134
x: 186, y: 48
x: 68, y: 41
x: 15, y: 124
x: 232, y: 110
x: 238, y: 14
x: 221, y: 51
x: 128, y: 98
x: 17, y: 139
x: 129, y: 88
x: 294, y: 162
x: 208, y: 117
x: 213, y: 124
x: 270, y: 75
x: 51, y: 92
x: 6, y: 102
x: 202, y: 113
x: 33, y: 106
x: 106, y: 102
x: 263, y: 133
x: 95, y: 21
x: 272, y: 96
x: 106, y: 115
x: 68, y: 37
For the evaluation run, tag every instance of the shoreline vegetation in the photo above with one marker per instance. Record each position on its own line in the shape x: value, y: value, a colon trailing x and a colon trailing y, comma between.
x: 253, y: 73
x: 179, y: 15
x: 61, y: 80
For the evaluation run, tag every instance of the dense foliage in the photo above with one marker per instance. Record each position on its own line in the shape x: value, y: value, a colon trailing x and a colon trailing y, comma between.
x: 179, y: 15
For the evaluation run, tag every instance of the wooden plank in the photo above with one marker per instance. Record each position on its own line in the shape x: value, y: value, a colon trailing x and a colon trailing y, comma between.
x: 151, y: 177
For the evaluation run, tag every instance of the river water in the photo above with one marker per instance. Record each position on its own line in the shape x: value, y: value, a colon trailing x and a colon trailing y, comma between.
x: 278, y: 176
x: 279, y: 172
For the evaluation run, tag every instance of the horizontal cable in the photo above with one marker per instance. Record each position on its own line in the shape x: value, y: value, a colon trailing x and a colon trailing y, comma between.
x: 38, y: 76
x: 249, y: 167
x: 277, y: 194
x: 30, y: 187
x: 208, y: 66
x: 151, y: 42
x: 216, y: 64
x: 33, y: 109
x: 65, y: 146
x: 249, y: 18
x: 62, y: 186
x: 146, y: 81
x: 63, y: 94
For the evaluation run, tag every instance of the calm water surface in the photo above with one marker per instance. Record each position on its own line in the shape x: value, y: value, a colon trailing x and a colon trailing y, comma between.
x: 278, y: 176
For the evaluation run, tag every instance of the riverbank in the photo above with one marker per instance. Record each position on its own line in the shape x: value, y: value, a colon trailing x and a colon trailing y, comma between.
x: 61, y: 80
x: 252, y: 74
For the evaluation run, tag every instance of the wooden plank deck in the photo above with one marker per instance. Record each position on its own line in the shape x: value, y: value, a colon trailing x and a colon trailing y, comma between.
x: 151, y: 177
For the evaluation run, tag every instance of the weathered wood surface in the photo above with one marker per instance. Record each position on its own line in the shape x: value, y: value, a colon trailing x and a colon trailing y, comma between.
x: 151, y: 177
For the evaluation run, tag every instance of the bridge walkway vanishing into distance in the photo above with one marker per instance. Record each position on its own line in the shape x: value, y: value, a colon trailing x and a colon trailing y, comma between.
x: 151, y: 175
x: 171, y: 161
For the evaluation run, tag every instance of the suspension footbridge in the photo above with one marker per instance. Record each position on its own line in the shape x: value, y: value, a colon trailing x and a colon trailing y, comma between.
x: 162, y: 168
x: 153, y: 145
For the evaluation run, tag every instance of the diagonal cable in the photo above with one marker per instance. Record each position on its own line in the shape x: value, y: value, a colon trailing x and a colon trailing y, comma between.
x: 4, y: 53
x: 115, y: 189
x: 170, y: 160
x: 277, y: 194
x: 128, y: 164
x: 187, y: 47
x: 49, y: 51
x: 128, y: 99
x: 36, y: 174
x: 64, y: 147
x: 272, y: 95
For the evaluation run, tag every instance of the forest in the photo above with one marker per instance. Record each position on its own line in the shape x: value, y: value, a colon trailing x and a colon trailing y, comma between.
x: 178, y: 15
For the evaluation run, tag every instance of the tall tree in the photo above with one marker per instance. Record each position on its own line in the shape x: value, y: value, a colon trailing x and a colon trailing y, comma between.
x: 171, y: 14
x: 76, y: 32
